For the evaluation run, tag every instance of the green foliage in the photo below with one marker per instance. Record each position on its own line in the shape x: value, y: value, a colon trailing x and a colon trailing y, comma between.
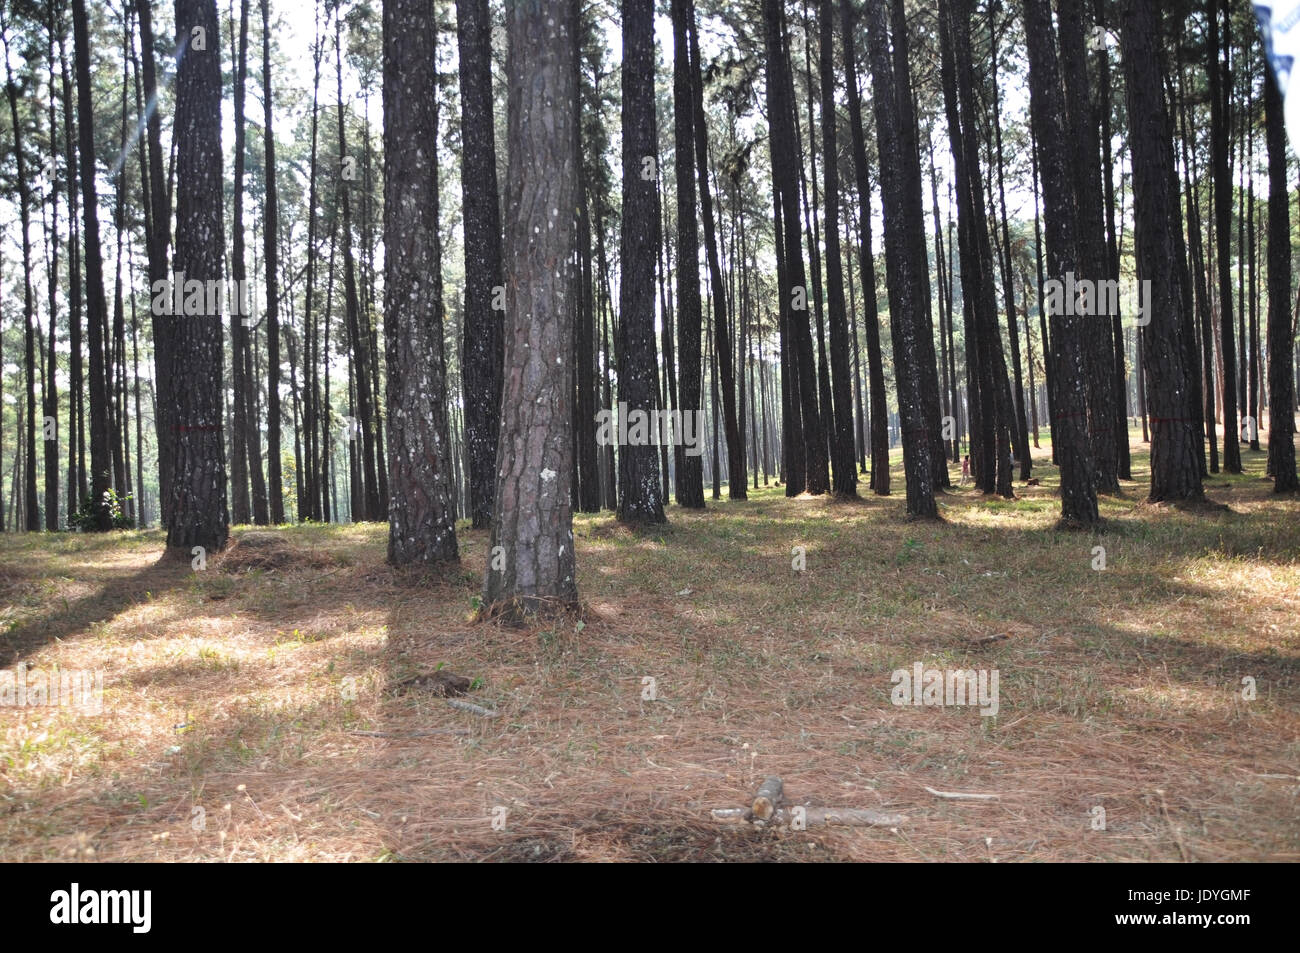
x: 86, y: 519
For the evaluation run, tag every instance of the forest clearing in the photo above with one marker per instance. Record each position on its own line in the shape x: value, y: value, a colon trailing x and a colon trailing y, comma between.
x: 226, y: 690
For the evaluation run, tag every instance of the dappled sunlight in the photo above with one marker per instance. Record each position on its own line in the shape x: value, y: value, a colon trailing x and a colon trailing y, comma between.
x: 763, y: 657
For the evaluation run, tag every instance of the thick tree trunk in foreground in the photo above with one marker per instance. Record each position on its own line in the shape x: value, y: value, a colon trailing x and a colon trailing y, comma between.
x: 197, y: 509
x: 421, y: 509
x: 533, y: 520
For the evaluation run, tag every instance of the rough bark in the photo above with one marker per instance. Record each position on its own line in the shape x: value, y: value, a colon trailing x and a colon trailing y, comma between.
x: 421, y: 513
x: 482, y: 349
x: 878, y: 406
x: 1175, y: 468
x: 793, y: 286
x: 690, y: 469
x: 533, y: 519
x: 842, y: 445
x: 271, y: 253
x: 1220, y: 83
x: 1067, y: 379
x: 906, y: 275
x: 96, y: 304
x: 638, y: 379
x: 197, y: 510
x: 1281, y: 327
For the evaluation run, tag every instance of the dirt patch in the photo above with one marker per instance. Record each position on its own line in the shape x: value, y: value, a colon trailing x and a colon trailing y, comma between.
x: 268, y: 552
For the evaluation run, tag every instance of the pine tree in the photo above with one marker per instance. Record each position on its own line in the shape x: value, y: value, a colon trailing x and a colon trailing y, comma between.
x: 197, y: 510
x: 421, y: 509
x: 482, y: 347
x: 531, y: 563
x: 638, y: 379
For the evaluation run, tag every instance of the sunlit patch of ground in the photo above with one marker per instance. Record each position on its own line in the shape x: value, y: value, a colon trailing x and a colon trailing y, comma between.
x: 232, y: 695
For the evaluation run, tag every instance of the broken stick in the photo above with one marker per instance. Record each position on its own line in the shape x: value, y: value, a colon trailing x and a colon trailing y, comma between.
x: 471, y: 708
x: 959, y: 796
x: 411, y: 734
x: 729, y: 815
x: 768, y: 798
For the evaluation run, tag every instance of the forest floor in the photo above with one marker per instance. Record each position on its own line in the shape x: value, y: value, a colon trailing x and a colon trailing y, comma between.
x: 232, y: 695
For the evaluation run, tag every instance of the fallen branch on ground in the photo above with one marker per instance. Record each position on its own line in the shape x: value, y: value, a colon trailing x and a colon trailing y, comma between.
x: 411, y: 734
x: 471, y: 708
x: 768, y: 798
x: 960, y: 796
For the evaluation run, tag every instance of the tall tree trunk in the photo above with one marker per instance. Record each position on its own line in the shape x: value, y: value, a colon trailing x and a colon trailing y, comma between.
x: 913, y: 196
x: 1019, y: 427
x: 1112, y: 247
x: 482, y: 347
x: 1093, y: 261
x: 1204, y: 381
x: 721, y: 339
x: 314, y: 482
x: 1068, y: 378
x: 1043, y: 337
x: 667, y: 332
x: 158, y: 242
x: 1220, y: 84
x: 875, y: 370
x: 1251, y: 405
x: 240, y: 501
x: 810, y: 200
x: 96, y: 305
x: 992, y: 464
x: 1175, y: 467
x: 638, y: 471
x: 51, y: 394
x: 198, y: 515
x: 794, y: 288
x: 77, y: 488
x: 690, y: 469
x: 533, y: 521
x: 844, y: 466
x: 1281, y: 327
x: 271, y: 256
x: 421, y: 511
x: 31, y: 502
x: 906, y: 274
x: 358, y: 326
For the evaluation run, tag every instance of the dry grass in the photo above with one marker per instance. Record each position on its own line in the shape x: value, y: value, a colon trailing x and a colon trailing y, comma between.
x: 234, y: 691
